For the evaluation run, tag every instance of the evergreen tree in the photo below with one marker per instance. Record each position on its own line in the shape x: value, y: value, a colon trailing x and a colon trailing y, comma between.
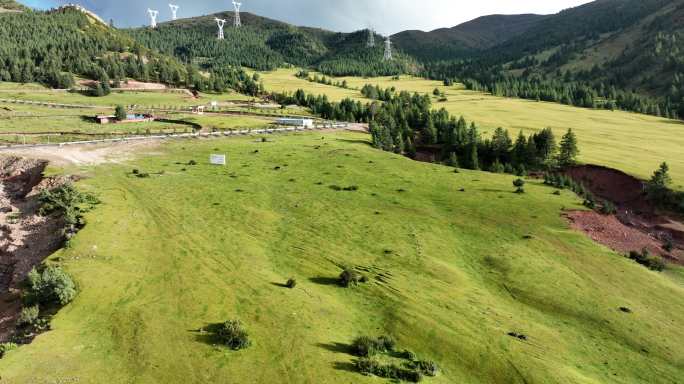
x: 568, y: 149
x: 472, y: 160
x: 120, y: 113
x: 520, y: 150
x: 657, y: 188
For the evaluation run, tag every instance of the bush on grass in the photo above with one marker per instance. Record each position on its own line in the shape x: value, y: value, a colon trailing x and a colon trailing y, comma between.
x: 653, y: 263
x: 291, y: 283
x: 233, y: 335
x: 366, y: 346
x: 350, y: 277
x: 51, y: 286
x: 519, y: 184
x: 370, y: 366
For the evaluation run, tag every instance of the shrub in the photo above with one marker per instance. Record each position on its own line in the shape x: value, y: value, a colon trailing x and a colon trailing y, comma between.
x: 608, y: 208
x: 520, y: 171
x: 668, y: 246
x: 366, y: 346
x: 67, y: 201
x: 233, y: 335
x: 369, y: 366
x: 192, y: 162
x: 120, y: 113
x: 653, y: 263
x: 28, y: 316
x: 426, y: 367
x: 350, y: 277
x: 497, y: 167
x: 589, y: 202
x: 142, y: 175
x: 6, y: 347
x: 291, y: 283
x: 52, y: 286
x: 519, y: 184
x: 351, y: 188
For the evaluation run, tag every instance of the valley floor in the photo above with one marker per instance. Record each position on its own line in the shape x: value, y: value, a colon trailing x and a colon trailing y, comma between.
x: 451, y: 273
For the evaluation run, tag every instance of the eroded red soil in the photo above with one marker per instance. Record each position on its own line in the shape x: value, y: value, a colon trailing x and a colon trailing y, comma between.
x: 637, y: 223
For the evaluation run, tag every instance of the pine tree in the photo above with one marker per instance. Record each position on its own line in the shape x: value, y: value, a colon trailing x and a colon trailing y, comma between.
x: 120, y: 113
x: 520, y: 149
x: 657, y: 188
x: 568, y: 149
x: 472, y: 160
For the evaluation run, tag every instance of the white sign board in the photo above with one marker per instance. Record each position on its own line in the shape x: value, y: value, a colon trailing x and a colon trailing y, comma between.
x: 217, y: 159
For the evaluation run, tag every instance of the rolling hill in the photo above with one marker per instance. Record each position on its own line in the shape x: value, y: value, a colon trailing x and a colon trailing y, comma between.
x: 491, y: 285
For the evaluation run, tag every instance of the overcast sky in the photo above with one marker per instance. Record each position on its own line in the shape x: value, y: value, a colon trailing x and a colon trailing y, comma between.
x: 387, y: 16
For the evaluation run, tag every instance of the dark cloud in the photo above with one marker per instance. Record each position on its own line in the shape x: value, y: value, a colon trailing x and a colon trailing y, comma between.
x: 387, y: 16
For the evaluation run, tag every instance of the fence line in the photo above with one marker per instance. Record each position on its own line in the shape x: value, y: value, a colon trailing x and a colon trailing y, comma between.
x: 243, y: 132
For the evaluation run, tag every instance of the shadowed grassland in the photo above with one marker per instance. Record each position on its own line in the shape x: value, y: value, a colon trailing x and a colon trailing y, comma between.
x: 631, y: 142
x: 450, y: 274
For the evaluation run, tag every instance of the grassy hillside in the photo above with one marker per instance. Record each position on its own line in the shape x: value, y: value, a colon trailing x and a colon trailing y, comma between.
x: 631, y: 142
x: 167, y: 255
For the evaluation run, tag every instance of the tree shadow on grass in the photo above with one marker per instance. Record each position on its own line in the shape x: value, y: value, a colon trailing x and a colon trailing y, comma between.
x: 352, y: 141
x: 207, y: 334
x: 493, y: 190
x: 325, y: 280
x: 280, y: 285
x: 336, y: 347
x: 345, y: 366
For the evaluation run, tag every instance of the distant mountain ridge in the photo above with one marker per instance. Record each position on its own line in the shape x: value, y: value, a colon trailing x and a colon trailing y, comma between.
x: 467, y: 38
x: 604, y: 47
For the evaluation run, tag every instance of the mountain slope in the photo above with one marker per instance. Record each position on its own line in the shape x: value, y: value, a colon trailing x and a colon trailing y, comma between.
x: 475, y: 35
x: 49, y: 47
x: 266, y: 44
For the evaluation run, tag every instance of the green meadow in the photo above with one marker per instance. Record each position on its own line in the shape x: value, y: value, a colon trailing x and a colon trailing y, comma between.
x: 450, y: 272
x: 631, y: 142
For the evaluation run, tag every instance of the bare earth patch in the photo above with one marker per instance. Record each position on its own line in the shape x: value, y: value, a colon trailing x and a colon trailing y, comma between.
x: 86, y: 154
x: 637, y: 224
x: 609, y: 231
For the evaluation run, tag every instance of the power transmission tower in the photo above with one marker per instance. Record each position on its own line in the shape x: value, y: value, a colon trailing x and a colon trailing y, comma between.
x: 237, y: 22
x: 388, y: 49
x: 371, y: 38
x: 174, y: 11
x: 221, y: 23
x: 153, y: 17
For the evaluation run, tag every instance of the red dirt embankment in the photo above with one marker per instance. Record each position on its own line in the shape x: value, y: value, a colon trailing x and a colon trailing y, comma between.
x: 637, y: 223
x: 26, y: 238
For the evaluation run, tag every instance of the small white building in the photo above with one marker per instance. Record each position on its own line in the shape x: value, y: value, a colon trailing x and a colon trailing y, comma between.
x: 304, y: 123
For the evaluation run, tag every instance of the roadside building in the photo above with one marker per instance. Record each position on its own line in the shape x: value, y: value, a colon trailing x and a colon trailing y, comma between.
x: 130, y: 118
x: 304, y: 123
